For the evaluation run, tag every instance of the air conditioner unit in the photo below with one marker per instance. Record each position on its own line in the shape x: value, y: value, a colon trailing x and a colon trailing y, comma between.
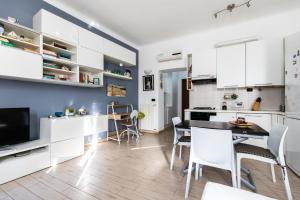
x: 174, y: 55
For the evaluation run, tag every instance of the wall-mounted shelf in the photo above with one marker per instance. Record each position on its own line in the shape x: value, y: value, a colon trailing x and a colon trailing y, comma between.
x: 59, y: 60
x: 58, y: 71
x: 113, y: 75
x: 20, y: 43
x: 56, y: 49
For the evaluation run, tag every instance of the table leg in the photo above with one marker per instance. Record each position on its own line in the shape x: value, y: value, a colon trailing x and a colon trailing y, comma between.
x: 250, y: 182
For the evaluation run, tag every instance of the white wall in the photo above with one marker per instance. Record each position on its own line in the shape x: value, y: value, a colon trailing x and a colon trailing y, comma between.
x: 268, y: 27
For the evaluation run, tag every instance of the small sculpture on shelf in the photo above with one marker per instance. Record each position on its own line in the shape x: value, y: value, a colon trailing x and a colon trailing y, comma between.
x: 82, y: 111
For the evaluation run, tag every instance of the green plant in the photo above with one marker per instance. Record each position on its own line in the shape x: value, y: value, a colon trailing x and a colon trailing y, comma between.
x: 141, y: 115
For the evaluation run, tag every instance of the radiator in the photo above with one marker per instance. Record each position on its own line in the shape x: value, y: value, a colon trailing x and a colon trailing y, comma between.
x: 147, y: 123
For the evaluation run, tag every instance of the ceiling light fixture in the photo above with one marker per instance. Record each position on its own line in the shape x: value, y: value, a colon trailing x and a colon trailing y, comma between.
x: 233, y: 6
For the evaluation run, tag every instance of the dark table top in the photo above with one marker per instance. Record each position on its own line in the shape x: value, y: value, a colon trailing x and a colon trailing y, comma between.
x: 254, y: 130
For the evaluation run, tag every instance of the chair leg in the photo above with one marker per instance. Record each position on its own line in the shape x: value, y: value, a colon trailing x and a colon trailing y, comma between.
x: 197, y: 172
x: 286, y: 183
x: 201, y: 171
x: 128, y: 135
x: 188, y: 180
x: 273, y: 173
x: 238, y: 169
x: 173, y: 156
x: 180, y: 152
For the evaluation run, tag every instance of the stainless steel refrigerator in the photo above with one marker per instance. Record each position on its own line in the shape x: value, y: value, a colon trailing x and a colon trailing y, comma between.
x: 292, y: 93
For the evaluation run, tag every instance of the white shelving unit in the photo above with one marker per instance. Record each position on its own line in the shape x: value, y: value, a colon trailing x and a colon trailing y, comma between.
x: 113, y: 75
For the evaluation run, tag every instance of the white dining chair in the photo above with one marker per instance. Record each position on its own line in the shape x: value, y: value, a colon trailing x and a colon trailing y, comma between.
x: 273, y: 155
x: 131, y: 126
x: 211, y: 147
x: 179, y: 139
x: 220, y: 119
x: 214, y: 191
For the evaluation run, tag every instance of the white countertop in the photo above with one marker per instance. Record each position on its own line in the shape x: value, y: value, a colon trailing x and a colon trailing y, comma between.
x: 238, y: 111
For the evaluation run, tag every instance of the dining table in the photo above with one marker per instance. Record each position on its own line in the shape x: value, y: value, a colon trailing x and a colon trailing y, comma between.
x: 239, y: 134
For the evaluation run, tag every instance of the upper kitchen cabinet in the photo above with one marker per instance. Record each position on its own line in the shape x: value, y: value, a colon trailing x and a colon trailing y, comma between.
x: 52, y: 25
x: 89, y: 40
x: 204, y: 64
x: 231, y: 66
x: 265, y: 63
x: 118, y: 54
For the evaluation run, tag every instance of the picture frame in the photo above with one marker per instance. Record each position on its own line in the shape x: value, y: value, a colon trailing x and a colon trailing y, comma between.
x: 96, y: 81
x: 148, y: 83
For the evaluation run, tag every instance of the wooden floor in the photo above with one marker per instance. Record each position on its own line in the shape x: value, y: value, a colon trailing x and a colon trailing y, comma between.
x: 130, y: 171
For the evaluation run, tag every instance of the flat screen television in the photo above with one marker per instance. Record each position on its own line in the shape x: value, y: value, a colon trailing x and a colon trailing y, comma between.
x: 14, y: 126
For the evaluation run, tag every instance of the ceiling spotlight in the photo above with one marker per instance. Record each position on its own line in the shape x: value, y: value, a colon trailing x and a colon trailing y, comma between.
x: 231, y: 7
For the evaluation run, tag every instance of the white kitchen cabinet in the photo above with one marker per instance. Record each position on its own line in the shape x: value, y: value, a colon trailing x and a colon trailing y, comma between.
x: 27, y: 65
x: 278, y: 119
x: 262, y: 120
x: 50, y: 24
x: 89, y: 40
x: 90, y: 58
x: 265, y: 63
x: 204, y: 63
x: 224, y: 117
x: 118, y: 54
x: 231, y: 66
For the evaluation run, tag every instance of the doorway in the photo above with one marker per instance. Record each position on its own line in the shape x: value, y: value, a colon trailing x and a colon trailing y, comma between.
x: 174, y: 94
x: 185, y: 98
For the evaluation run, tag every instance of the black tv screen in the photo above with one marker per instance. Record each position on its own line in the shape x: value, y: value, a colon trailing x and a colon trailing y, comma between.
x: 14, y: 126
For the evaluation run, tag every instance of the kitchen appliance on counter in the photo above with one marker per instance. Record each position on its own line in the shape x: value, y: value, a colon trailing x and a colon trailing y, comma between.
x: 203, y: 116
x: 292, y: 92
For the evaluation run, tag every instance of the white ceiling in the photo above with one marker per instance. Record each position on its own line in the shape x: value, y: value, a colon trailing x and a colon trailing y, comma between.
x: 147, y: 21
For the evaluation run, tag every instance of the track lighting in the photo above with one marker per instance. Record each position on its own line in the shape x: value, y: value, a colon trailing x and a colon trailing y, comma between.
x: 233, y: 6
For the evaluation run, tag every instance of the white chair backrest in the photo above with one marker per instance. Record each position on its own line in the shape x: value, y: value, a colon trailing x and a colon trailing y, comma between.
x: 175, y: 120
x: 212, y: 147
x: 276, y: 142
x: 133, y: 116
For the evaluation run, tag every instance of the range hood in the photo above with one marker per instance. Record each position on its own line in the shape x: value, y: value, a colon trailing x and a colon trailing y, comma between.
x: 204, y: 79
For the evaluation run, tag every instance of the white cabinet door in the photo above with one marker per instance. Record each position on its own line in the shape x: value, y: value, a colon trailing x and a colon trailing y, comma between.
x: 118, y: 53
x: 90, y: 40
x: 55, y: 26
x: 262, y: 120
x: 224, y: 117
x: 66, y: 150
x: 231, y: 66
x: 204, y: 63
x: 265, y: 63
x: 90, y: 58
x: 18, y: 63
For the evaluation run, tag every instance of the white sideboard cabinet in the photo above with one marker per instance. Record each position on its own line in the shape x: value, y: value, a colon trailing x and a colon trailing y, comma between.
x: 66, y: 134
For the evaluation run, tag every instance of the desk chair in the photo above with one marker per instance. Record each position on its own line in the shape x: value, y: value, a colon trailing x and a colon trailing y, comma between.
x: 131, y: 126
x: 273, y: 155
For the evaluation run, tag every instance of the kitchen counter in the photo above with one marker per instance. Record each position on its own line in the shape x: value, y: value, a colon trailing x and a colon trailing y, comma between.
x: 238, y: 111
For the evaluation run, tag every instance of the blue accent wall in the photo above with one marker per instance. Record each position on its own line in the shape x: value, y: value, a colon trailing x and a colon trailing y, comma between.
x: 45, y: 99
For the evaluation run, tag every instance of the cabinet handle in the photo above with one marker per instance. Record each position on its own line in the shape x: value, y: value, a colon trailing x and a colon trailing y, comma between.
x: 205, y: 75
x: 231, y: 86
x: 264, y: 84
x: 253, y: 115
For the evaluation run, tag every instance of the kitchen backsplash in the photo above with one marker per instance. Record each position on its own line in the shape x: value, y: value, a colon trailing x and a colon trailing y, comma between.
x: 209, y: 95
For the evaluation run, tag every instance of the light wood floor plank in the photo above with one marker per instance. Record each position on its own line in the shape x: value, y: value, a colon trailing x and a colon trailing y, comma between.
x: 134, y: 172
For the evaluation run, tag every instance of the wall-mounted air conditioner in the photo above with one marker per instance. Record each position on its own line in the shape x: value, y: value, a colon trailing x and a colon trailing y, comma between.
x: 168, y: 56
